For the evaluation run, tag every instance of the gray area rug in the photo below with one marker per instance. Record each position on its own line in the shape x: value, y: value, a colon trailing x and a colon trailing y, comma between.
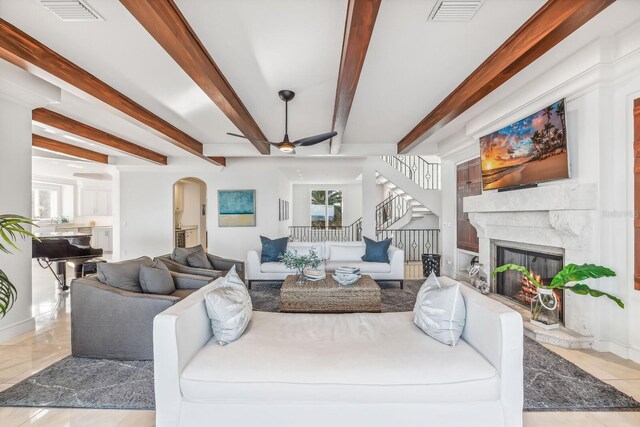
x: 551, y: 383
x: 75, y: 382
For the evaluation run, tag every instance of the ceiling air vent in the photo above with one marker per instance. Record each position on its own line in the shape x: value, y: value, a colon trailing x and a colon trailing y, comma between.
x: 71, y: 10
x: 455, y: 10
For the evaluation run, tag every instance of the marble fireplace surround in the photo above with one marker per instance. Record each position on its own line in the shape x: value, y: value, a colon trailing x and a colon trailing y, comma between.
x: 553, y: 218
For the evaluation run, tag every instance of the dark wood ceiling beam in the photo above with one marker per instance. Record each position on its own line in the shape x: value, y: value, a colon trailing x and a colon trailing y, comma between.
x: 28, y: 53
x: 220, y: 161
x: 41, y: 142
x: 551, y: 24
x: 58, y: 121
x: 164, y: 21
x: 361, y: 18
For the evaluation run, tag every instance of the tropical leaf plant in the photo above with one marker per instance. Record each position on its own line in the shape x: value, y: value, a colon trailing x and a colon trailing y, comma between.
x: 11, y: 228
x: 570, y: 274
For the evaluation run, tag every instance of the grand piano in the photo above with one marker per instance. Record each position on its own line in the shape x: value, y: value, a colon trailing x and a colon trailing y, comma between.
x: 60, y: 248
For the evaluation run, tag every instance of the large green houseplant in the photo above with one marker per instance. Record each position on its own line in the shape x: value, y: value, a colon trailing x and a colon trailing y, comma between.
x: 11, y: 227
x: 545, y: 301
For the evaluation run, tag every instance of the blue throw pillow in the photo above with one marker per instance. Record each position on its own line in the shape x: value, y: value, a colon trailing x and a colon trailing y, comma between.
x: 376, y: 251
x: 272, y: 250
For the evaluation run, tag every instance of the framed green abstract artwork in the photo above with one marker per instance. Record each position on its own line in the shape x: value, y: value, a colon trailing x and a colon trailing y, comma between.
x: 236, y: 208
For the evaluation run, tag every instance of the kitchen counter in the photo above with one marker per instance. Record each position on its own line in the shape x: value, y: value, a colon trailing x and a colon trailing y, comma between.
x: 58, y: 234
x: 187, y: 227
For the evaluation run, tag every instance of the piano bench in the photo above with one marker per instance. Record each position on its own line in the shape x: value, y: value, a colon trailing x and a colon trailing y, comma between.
x: 82, y: 267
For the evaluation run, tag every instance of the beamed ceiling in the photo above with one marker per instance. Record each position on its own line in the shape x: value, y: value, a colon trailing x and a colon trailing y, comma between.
x: 161, y: 79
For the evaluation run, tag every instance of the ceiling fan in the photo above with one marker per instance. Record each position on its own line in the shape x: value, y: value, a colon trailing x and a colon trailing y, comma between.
x: 286, y: 146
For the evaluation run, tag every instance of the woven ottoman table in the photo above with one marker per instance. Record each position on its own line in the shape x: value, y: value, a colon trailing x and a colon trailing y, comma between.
x: 328, y: 296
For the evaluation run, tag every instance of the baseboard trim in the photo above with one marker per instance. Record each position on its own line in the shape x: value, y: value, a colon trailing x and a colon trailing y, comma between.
x: 19, y: 328
x: 624, y: 351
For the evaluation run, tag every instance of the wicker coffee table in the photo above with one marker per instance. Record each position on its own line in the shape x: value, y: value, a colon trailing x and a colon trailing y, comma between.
x: 327, y: 296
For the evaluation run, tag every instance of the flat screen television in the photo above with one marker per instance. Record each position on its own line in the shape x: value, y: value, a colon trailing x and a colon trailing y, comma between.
x: 529, y: 151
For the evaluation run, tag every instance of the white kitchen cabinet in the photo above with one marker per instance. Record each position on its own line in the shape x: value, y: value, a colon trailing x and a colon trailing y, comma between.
x: 95, y: 203
x: 191, y: 237
x: 103, y: 238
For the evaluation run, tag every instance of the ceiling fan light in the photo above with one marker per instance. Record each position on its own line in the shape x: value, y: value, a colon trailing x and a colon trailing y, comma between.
x: 286, y: 147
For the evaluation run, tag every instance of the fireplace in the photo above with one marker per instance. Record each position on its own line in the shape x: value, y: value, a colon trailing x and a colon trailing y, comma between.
x: 514, y: 285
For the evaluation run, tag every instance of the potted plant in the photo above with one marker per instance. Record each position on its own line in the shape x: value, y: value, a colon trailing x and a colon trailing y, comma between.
x: 293, y: 261
x: 544, y: 306
x: 11, y: 226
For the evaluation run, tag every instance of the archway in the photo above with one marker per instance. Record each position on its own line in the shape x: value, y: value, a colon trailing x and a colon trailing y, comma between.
x: 189, y: 213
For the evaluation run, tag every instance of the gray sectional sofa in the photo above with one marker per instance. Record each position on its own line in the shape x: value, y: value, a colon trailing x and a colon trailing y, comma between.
x: 177, y: 261
x: 112, y: 317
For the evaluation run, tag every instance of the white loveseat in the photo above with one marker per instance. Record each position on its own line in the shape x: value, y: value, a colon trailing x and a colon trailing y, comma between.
x: 336, y: 254
x: 359, y: 369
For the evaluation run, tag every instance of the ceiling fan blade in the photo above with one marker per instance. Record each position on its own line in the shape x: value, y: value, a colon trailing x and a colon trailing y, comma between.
x: 312, y: 140
x: 235, y: 134
x: 251, y: 139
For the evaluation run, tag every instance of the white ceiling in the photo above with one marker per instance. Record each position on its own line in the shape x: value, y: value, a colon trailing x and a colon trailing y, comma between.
x: 120, y: 52
x: 413, y: 64
x: 265, y: 46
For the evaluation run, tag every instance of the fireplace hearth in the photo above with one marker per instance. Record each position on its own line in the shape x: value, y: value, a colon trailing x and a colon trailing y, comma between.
x: 515, y: 286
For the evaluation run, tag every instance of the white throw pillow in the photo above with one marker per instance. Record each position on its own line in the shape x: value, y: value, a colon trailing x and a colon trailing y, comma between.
x: 440, y: 311
x: 432, y: 282
x: 346, y: 253
x: 229, y: 308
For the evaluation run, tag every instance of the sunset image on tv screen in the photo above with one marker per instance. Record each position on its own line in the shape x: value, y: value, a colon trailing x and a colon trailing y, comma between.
x: 531, y: 150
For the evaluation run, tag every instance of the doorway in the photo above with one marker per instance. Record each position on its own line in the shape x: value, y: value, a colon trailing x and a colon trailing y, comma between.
x: 189, y: 213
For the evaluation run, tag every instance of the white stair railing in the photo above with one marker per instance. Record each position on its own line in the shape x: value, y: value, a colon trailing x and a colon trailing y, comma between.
x: 417, y: 169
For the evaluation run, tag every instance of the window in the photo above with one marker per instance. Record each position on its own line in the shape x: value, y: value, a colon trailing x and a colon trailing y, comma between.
x: 326, y: 208
x: 45, y: 201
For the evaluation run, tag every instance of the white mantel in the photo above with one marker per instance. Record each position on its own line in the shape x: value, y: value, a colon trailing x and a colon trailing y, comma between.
x: 555, y: 216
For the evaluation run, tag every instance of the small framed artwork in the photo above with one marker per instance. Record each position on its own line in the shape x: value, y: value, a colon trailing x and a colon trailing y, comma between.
x: 286, y: 210
x: 236, y: 208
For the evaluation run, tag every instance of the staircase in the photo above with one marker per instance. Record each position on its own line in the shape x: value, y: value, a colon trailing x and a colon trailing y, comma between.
x: 414, y: 193
x: 413, y: 178
x: 399, y: 209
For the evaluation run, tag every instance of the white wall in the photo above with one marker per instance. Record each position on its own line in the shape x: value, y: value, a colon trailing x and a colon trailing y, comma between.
x: 146, y: 200
x: 351, y: 202
x: 285, y: 193
x: 20, y: 93
x: 15, y: 198
x: 599, y: 83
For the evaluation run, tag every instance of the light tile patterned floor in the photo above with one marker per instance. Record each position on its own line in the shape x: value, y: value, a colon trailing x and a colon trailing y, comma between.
x: 50, y: 342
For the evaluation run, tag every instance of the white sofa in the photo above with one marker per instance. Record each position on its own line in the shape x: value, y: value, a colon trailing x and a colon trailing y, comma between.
x: 336, y: 254
x: 359, y: 369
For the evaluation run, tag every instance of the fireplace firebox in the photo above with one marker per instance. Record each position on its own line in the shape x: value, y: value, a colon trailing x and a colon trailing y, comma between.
x: 515, y: 286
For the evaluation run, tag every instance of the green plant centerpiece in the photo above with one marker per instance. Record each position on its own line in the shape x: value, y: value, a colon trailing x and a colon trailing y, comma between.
x: 544, y: 306
x: 293, y: 261
x: 11, y: 227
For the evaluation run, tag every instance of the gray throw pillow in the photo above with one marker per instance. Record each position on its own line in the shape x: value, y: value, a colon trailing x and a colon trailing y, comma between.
x: 440, y: 312
x: 123, y: 275
x: 157, y: 263
x: 156, y: 281
x: 180, y: 255
x: 199, y: 260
